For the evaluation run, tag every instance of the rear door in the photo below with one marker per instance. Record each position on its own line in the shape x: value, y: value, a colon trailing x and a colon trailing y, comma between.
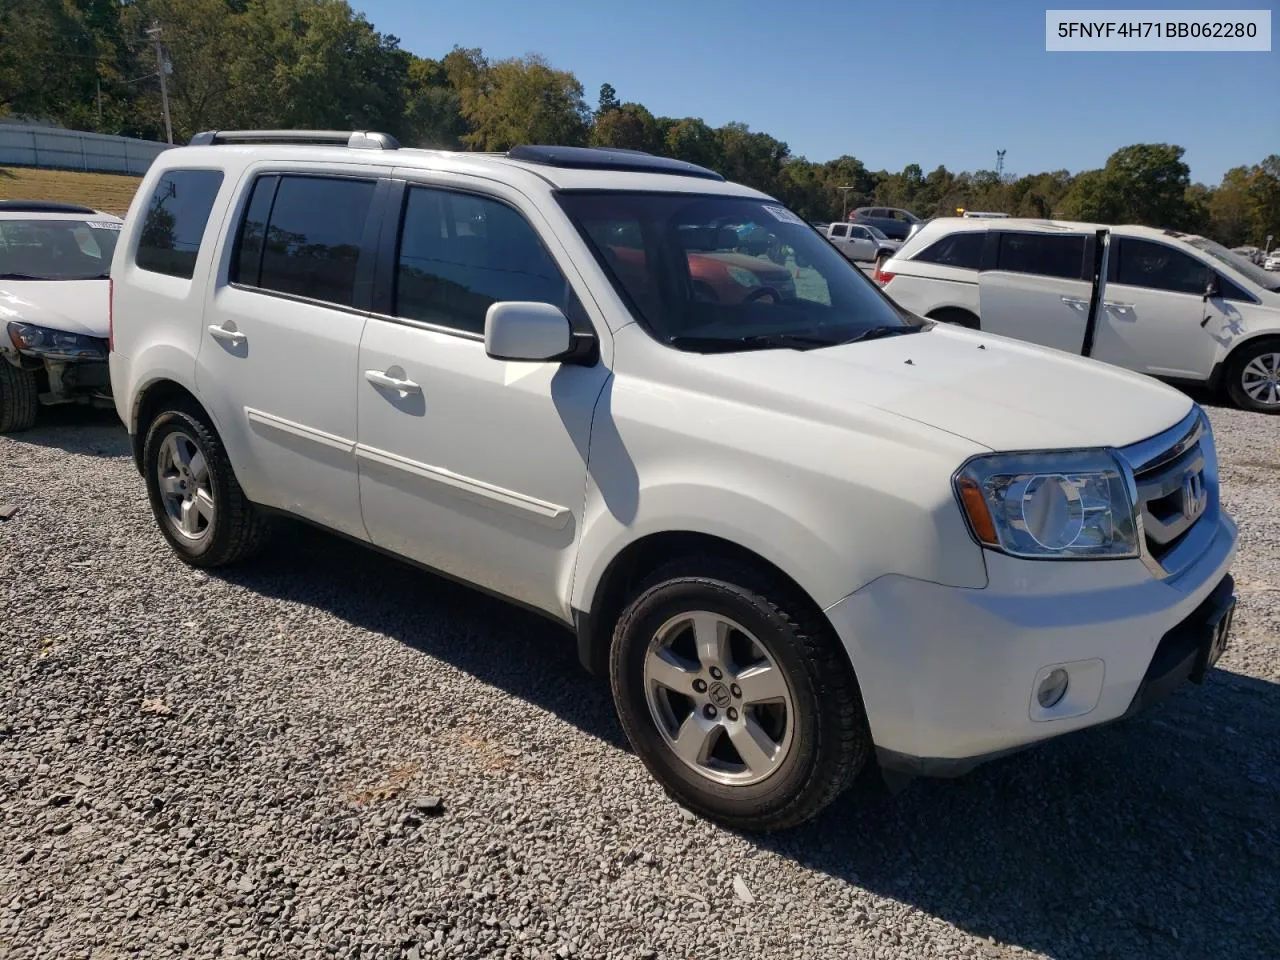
x: 1037, y: 287
x: 1152, y: 315
x: 281, y: 339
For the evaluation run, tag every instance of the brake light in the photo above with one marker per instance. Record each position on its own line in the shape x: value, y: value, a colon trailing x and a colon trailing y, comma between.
x: 883, y: 277
x: 111, y: 316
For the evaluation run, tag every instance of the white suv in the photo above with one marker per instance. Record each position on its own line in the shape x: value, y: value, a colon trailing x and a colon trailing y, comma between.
x: 1172, y: 305
x: 798, y: 527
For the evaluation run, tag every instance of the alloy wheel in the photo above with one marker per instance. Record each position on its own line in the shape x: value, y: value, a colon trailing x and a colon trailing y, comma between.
x: 185, y: 487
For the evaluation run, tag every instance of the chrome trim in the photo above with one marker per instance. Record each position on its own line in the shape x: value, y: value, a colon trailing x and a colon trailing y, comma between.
x: 1162, y: 450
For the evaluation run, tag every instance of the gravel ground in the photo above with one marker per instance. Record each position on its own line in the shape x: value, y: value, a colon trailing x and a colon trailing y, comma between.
x: 249, y: 764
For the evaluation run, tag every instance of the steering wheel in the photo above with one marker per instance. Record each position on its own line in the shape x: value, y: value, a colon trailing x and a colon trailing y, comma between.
x: 759, y: 293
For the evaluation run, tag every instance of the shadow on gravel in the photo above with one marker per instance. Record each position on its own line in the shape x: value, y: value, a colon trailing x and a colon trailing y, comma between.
x: 1153, y: 838
x: 82, y: 430
x: 520, y: 652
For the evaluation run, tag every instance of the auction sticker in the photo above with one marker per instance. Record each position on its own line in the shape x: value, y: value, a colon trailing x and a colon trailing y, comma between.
x: 104, y: 225
x: 783, y: 214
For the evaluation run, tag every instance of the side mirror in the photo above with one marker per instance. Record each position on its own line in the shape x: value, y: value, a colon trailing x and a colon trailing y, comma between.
x: 534, y: 332
x: 1211, y: 289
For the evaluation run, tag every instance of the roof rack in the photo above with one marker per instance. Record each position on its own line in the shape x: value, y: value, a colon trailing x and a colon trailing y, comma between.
x: 602, y: 158
x: 43, y: 206
x: 356, y: 139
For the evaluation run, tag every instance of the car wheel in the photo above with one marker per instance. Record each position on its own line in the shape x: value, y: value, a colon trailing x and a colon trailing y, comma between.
x: 737, y: 695
x: 19, y: 397
x: 194, y: 494
x: 1253, y: 377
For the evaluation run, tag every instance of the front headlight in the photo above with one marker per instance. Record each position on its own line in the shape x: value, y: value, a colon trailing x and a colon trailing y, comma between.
x: 55, y: 344
x: 1072, y: 505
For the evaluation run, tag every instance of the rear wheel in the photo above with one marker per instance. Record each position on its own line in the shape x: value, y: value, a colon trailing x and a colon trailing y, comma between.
x: 19, y: 398
x: 737, y: 696
x: 1253, y: 377
x: 194, y: 494
x: 956, y: 316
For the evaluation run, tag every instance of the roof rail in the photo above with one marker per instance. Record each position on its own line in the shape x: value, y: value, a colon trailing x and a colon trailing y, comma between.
x: 356, y: 139
x: 608, y: 158
x: 43, y: 206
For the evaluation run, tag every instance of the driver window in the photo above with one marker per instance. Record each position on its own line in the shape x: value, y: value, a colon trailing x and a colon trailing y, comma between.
x: 1158, y: 267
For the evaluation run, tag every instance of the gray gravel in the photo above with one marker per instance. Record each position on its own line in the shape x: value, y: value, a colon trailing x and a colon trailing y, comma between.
x: 327, y: 753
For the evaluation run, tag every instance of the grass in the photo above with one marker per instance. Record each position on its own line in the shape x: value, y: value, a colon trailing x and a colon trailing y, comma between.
x: 102, y: 191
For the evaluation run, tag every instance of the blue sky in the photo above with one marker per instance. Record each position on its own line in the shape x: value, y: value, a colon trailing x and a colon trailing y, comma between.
x: 891, y: 83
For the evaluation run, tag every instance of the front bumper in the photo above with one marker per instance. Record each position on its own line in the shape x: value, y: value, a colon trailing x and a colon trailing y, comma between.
x: 949, y: 674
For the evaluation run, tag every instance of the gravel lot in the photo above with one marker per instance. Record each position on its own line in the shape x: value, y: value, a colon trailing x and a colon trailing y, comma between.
x: 245, y: 764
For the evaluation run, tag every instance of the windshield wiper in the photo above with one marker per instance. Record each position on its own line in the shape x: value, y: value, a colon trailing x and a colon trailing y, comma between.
x: 755, y: 341
x: 879, y: 333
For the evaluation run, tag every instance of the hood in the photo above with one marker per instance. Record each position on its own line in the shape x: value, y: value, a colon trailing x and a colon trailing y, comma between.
x: 76, y: 306
x: 1002, y: 394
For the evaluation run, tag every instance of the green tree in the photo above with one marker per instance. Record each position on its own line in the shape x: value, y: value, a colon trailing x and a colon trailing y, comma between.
x: 608, y: 99
x: 692, y: 141
x: 627, y: 125
x: 432, y: 107
x: 518, y: 101
x: 1148, y: 182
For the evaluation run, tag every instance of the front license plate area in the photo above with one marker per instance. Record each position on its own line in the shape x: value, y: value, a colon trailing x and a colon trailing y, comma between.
x: 1217, y: 634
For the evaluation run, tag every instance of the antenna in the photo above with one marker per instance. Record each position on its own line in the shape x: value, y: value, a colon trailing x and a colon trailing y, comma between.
x: 1000, y: 163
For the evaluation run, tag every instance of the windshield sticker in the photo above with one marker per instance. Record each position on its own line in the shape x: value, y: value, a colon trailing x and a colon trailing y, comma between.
x: 104, y: 225
x: 783, y: 214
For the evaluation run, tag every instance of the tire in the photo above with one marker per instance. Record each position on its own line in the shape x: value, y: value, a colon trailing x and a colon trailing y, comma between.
x: 956, y: 317
x: 19, y: 398
x: 820, y: 748
x: 235, y: 528
x: 1253, y: 367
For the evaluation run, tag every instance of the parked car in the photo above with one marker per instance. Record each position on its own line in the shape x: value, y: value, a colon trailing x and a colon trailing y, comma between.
x: 796, y: 531
x: 1272, y: 261
x: 861, y: 241
x: 894, y: 223
x: 1169, y: 304
x: 54, y: 264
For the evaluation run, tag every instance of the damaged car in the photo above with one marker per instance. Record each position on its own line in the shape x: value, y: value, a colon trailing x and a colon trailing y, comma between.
x: 55, y: 260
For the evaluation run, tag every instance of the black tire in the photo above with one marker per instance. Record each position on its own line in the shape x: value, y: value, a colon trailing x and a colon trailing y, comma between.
x: 239, y: 528
x: 957, y: 317
x: 831, y: 739
x: 19, y: 398
x: 1235, y: 371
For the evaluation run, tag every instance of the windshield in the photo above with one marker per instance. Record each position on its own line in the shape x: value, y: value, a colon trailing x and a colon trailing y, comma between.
x: 57, y: 249
x: 719, y: 273
x: 1265, y: 279
x: 874, y: 231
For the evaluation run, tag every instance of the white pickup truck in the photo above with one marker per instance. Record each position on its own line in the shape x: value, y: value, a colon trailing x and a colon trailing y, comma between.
x: 861, y: 241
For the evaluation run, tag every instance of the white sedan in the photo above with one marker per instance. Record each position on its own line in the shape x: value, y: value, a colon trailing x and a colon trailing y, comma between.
x: 54, y: 310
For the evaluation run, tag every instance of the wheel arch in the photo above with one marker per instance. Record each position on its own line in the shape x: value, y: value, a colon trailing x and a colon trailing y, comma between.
x: 150, y: 400
x: 1218, y: 377
x: 963, y: 316
x: 628, y: 567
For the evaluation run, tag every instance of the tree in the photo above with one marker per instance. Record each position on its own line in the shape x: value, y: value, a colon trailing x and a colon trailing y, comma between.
x: 692, y: 141
x: 608, y: 99
x: 432, y: 107
x: 1148, y: 183
x: 518, y: 101
x: 629, y: 126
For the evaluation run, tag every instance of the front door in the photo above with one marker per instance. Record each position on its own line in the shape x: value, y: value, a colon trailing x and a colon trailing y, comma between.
x: 1152, y: 314
x: 474, y: 466
x: 1036, y: 287
x: 280, y: 344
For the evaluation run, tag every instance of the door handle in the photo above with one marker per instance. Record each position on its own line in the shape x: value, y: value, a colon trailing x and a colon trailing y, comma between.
x: 1075, y: 301
x: 1117, y: 305
x: 380, y: 379
x: 233, y: 337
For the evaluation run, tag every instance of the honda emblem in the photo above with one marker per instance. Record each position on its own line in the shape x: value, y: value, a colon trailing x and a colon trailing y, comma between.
x: 1194, y: 496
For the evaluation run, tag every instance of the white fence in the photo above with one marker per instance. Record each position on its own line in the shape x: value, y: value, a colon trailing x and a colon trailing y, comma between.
x: 23, y: 146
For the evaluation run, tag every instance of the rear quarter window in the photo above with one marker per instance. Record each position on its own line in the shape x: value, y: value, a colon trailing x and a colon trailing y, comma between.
x: 175, y: 220
x: 955, y: 250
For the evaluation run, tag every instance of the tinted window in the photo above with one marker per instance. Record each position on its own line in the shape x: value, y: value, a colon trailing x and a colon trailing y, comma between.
x: 839, y: 230
x: 461, y: 253
x: 313, y: 237
x: 956, y: 250
x: 1046, y: 255
x: 175, y: 220
x: 247, y: 265
x: 1230, y: 291
x: 1157, y: 267
x: 860, y: 233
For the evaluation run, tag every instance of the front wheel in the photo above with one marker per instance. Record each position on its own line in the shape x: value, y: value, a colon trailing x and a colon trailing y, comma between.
x: 194, y: 494
x: 737, y: 695
x: 1253, y: 377
x: 19, y: 398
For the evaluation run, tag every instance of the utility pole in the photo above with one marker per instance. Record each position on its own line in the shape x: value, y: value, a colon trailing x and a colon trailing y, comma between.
x: 163, y: 67
x: 844, y: 192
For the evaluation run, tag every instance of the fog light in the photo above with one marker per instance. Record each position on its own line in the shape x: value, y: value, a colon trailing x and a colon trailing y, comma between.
x: 1052, y: 688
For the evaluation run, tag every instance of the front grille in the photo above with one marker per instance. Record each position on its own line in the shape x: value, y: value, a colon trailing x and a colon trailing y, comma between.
x: 1175, y: 478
